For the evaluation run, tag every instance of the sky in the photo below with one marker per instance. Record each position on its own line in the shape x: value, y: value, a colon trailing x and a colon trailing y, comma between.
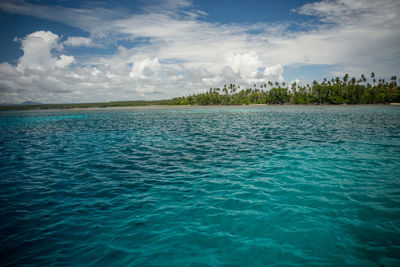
x: 63, y: 51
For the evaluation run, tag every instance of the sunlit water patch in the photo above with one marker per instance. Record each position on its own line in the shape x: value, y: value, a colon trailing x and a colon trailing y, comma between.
x: 216, y: 186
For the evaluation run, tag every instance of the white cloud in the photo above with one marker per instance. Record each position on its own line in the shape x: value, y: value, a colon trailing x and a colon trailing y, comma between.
x: 274, y: 73
x: 246, y: 64
x: 38, y: 47
x: 358, y: 35
x: 145, y: 68
x: 78, y: 41
x: 64, y: 61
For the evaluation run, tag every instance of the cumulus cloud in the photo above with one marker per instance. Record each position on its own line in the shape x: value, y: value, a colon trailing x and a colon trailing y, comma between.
x: 274, y: 73
x: 182, y: 54
x: 245, y: 64
x: 145, y: 68
x: 38, y: 47
x: 247, y: 68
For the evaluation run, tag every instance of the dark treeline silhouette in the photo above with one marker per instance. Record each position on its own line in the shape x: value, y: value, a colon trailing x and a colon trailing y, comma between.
x: 336, y: 91
x: 87, y: 105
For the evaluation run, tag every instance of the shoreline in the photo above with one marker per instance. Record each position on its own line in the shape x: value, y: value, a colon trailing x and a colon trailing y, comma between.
x: 160, y: 107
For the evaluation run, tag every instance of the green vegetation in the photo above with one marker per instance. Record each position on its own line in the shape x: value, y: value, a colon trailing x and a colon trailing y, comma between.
x: 88, y: 105
x: 336, y: 91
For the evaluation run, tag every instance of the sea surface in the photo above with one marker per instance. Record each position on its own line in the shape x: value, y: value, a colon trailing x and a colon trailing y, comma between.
x: 201, y: 186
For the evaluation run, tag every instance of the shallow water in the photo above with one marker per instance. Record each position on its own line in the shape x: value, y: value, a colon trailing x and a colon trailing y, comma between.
x: 217, y: 186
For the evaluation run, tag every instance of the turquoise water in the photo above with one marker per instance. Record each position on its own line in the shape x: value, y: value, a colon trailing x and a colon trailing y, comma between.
x: 222, y: 186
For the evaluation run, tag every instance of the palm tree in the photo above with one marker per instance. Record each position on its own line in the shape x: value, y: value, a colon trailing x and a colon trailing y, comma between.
x: 393, y: 80
x: 345, y: 78
x: 225, y: 90
x: 373, y: 78
x: 294, y: 85
x: 363, y: 78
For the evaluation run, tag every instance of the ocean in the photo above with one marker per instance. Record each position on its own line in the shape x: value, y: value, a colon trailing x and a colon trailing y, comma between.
x: 201, y: 186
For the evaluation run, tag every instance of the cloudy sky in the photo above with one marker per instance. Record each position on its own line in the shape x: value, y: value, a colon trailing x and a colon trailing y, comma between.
x: 88, y: 51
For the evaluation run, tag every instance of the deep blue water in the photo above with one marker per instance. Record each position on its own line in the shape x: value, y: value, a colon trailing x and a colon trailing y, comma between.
x: 217, y: 186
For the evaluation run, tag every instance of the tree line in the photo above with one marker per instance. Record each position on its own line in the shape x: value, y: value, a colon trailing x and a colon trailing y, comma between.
x: 344, y: 90
x: 87, y: 105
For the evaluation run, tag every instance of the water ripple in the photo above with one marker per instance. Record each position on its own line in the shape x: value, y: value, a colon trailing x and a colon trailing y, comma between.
x: 200, y: 186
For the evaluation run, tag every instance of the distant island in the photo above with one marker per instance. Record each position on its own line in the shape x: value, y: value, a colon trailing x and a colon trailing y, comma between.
x: 87, y: 105
x: 335, y: 91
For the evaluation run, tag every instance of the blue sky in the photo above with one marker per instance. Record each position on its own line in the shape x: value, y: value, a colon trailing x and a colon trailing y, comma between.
x: 85, y: 51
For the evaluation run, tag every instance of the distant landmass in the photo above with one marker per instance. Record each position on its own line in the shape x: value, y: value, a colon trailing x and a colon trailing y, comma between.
x: 28, y: 103
x: 335, y: 92
x: 25, y: 103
